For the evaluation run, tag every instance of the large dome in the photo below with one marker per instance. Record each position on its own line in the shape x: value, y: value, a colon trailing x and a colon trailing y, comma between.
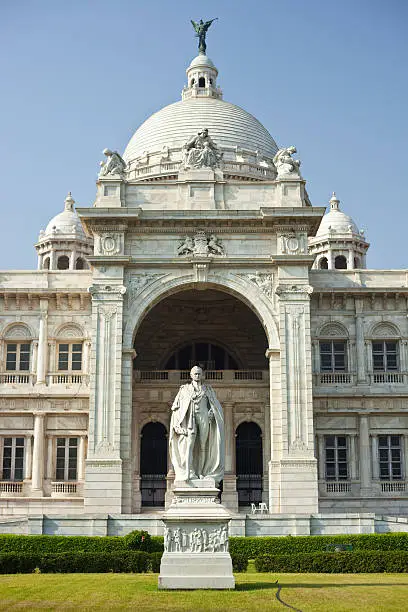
x: 227, y: 124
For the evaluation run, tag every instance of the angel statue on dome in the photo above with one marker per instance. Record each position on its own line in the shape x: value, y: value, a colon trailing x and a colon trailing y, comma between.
x: 115, y: 164
x: 201, y: 29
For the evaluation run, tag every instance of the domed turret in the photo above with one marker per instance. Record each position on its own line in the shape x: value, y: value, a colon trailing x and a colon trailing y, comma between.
x: 63, y: 245
x: 338, y: 243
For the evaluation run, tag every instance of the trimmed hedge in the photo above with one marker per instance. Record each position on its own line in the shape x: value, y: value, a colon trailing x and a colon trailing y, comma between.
x: 369, y: 561
x: 64, y: 544
x: 75, y: 562
x: 239, y: 562
x: 252, y: 547
x: 155, y: 559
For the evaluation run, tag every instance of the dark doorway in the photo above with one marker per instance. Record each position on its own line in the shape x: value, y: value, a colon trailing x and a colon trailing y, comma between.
x: 153, y: 464
x: 249, y: 468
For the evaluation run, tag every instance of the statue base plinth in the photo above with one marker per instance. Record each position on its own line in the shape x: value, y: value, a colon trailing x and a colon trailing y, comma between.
x: 196, y: 539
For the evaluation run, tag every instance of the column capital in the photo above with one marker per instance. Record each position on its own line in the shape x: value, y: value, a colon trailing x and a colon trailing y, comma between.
x: 272, y: 352
x: 39, y: 413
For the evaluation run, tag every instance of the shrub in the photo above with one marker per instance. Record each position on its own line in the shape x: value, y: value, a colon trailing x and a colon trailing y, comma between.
x: 155, y: 559
x: 239, y: 562
x: 75, y: 562
x: 60, y: 544
x: 370, y: 561
x: 138, y: 540
x: 254, y: 546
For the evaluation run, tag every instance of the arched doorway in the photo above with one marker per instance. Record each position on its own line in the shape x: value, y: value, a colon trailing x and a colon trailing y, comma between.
x: 249, y: 463
x: 153, y: 464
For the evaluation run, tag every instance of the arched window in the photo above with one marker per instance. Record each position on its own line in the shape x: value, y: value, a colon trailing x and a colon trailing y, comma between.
x: 79, y: 264
x: 201, y: 82
x: 18, y: 353
x: 323, y: 263
x: 205, y: 354
x: 249, y: 467
x: 356, y: 262
x: 153, y: 464
x: 46, y: 263
x: 385, y: 351
x: 63, y: 262
x: 333, y: 349
x: 340, y: 262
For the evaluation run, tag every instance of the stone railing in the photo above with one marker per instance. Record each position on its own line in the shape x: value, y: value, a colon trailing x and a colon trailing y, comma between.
x: 333, y: 378
x: 338, y: 487
x: 11, y: 488
x: 228, y: 167
x: 64, y: 488
x: 393, y: 486
x: 245, y: 168
x: 68, y: 379
x: 379, y: 378
x: 175, y: 376
x: 16, y: 379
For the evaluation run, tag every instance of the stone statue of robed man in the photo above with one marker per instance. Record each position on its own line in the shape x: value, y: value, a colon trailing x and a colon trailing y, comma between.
x: 197, y: 442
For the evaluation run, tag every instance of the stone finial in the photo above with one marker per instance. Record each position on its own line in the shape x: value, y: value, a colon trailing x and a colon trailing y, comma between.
x: 334, y: 202
x: 69, y: 202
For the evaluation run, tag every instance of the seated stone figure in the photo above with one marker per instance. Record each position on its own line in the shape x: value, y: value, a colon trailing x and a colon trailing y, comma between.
x: 201, y: 152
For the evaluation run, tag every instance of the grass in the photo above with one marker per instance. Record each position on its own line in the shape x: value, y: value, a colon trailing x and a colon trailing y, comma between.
x: 306, y: 592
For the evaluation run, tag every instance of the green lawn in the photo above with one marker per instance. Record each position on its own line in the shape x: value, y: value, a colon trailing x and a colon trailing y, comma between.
x: 307, y: 592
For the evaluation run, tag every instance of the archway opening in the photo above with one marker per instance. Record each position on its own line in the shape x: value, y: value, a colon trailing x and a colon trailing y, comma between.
x: 340, y: 262
x: 201, y: 82
x: 249, y: 469
x: 79, y: 264
x: 63, y: 262
x: 323, y: 263
x: 153, y: 464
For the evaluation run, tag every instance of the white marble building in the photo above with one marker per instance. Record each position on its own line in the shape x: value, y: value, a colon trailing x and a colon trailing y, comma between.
x: 222, y: 261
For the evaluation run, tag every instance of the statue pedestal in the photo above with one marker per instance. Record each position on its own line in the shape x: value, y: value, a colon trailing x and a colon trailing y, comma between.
x: 196, y: 539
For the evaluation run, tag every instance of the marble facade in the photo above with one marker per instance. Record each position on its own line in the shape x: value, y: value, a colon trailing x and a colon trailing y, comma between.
x: 264, y: 296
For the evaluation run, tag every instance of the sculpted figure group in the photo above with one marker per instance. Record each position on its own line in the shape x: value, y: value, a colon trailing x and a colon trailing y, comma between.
x: 197, y: 541
x: 201, y: 152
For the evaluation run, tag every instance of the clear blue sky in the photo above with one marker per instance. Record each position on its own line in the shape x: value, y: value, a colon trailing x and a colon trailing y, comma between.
x: 329, y: 76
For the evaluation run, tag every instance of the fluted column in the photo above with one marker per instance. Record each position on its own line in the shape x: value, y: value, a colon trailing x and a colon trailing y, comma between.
x: 38, y: 455
x: 42, y: 343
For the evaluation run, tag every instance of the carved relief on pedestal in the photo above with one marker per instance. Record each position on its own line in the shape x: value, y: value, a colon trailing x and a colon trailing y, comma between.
x: 201, y: 245
x: 197, y: 540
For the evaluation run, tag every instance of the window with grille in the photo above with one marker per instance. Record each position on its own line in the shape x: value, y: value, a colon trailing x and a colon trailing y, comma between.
x: 18, y: 356
x: 13, y: 459
x: 385, y: 356
x: 67, y: 459
x: 70, y: 357
x: 336, y: 458
x: 389, y: 455
x: 333, y: 356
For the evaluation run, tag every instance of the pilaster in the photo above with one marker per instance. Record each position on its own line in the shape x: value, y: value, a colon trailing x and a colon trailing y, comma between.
x: 360, y: 346
x: 38, y: 455
x: 103, y: 478
x: 365, y: 476
x: 42, y: 343
x: 229, y: 494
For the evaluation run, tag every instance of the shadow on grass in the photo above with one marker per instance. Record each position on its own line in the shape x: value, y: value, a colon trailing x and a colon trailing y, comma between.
x: 258, y: 586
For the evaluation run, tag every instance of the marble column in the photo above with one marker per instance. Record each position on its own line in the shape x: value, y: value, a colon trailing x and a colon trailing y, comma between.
x: 375, y: 457
x: 49, y: 474
x: 229, y: 495
x: 350, y: 259
x: 42, y: 343
x: 364, y: 441
x: 360, y: 345
x: 322, y: 457
x: 81, y: 459
x: 38, y: 455
x: 28, y: 458
x: 353, y: 457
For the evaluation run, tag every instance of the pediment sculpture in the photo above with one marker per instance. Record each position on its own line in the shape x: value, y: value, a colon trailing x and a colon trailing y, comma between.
x: 200, y: 151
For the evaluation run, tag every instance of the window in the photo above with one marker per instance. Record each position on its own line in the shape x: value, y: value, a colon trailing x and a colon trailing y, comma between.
x: 333, y: 356
x: 340, y: 262
x: 323, y: 263
x: 67, y: 455
x: 18, y: 357
x: 389, y: 454
x: 336, y: 458
x: 385, y: 356
x: 70, y: 357
x: 46, y: 264
x: 80, y: 264
x: 201, y: 82
x: 13, y: 459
